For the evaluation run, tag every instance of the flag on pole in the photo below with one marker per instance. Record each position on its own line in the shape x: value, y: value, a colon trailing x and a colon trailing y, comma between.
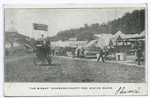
x: 40, y: 27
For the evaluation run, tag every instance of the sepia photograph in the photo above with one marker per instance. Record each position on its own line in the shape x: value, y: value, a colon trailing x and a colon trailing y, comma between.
x: 75, y: 45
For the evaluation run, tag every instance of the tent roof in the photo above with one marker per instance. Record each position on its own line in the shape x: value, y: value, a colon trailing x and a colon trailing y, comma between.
x: 129, y: 36
x: 115, y: 37
x: 118, y: 33
x: 133, y: 36
x: 22, y: 36
x: 102, y: 35
x: 90, y: 43
x: 72, y: 39
x: 57, y: 41
x: 143, y: 33
x: 136, y: 37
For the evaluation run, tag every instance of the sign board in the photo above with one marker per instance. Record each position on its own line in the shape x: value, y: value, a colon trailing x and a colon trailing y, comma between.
x: 40, y: 27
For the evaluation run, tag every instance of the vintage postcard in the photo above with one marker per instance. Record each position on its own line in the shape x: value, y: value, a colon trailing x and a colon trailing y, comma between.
x: 75, y: 50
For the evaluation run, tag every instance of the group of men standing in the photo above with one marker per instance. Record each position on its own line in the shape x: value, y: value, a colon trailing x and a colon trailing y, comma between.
x: 138, y: 54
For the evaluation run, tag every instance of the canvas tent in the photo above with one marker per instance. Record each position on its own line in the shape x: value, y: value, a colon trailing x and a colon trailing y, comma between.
x: 107, y: 39
x: 90, y: 43
x: 57, y: 44
x: 142, y: 33
x: 118, y: 33
x: 72, y: 39
x: 75, y: 43
x: 136, y: 36
x: 91, y: 49
x: 121, y: 37
x: 112, y: 40
x: 103, y: 39
x: 129, y: 41
x: 130, y: 37
x: 68, y: 43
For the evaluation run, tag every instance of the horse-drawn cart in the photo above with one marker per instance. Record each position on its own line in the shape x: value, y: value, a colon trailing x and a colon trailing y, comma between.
x: 43, y: 53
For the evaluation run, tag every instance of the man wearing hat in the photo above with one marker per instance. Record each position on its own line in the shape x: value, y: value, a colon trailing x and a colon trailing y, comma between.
x: 101, y: 55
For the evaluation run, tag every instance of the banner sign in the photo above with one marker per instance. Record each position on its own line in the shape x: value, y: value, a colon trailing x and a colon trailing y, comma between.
x: 40, y: 27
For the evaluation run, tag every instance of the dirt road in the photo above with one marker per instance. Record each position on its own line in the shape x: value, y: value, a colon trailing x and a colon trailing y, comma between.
x: 71, y: 70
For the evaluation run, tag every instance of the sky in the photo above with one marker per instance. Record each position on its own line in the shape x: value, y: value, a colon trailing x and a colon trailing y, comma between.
x: 22, y: 20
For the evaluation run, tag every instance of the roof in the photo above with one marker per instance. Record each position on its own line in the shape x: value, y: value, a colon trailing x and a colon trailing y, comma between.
x: 106, y: 38
x: 118, y: 33
x: 102, y: 35
x: 68, y: 43
x: 119, y: 38
x: 8, y: 45
x: 10, y: 34
x: 143, y: 33
x: 103, y: 41
x: 97, y: 35
x: 13, y: 32
x: 72, y: 39
x: 57, y: 44
x: 126, y: 37
x: 115, y: 37
x: 22, y: 36
x: 129, y: 36
x: 90, y: 43
x: 134, y: 36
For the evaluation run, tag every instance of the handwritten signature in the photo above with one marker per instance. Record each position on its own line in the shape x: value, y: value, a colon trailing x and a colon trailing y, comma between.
x: 122, y: 90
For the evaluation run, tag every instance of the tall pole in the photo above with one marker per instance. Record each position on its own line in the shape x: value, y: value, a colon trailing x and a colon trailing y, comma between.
x: 49, y: 52
x: 12, y: 31
x: 12, y: 26
x: 33, y: 30
x: 47, y: 30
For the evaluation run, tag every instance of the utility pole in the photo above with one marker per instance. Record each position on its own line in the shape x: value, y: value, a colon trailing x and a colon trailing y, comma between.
x: 11, y: 36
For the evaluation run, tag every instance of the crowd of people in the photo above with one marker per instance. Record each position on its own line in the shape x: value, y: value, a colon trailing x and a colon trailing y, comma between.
x: 79, y: 52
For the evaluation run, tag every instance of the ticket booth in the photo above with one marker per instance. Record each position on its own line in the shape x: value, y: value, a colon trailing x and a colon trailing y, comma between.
x: 120, y: 56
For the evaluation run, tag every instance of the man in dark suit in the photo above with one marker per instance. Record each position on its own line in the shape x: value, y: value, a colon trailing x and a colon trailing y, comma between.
x: 139, y: 54
x: 101, y: 55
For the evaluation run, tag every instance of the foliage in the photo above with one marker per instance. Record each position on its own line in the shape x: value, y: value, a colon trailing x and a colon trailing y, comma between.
x: 129, y: 23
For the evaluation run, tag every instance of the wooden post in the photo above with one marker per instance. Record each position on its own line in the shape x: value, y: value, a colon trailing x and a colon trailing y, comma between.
x: 47, y: 30
x: 126, y: 46
x: 123, y: 45
x: 116, y: 49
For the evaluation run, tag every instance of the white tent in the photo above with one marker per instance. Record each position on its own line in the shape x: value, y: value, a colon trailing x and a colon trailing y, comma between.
x: 74, y: 43
x: 57, y: 44
x: 118, y: 33
x: 129, y: 36
x: 115, y: 36
x: 102, y: 35
x: 143, y: 33
x: 103, y: 40
x: 73, y: 39
x: 90, y: 43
